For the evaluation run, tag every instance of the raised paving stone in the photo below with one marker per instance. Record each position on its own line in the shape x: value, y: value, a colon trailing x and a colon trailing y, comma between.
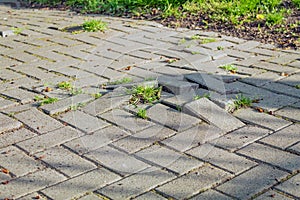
x: 171, y: 118
x: 98, y: 139
x: 80, y: 185
x: 116, y: 160
x: 222, y: 158
x: 65, y: 104
x: 282, y: 159
x: 42, y: 142
x: 194, y: 182
x: 283, y: 89
x: 284, y: 138
x: 134, y: 185
x: 17, y: 162
x: 261, y: 119
x: 8, y: 123
x: 211, y: 194
x: 252, y: 182
x: 13, y: 137
x: 169, y: 159
x: 30, y: 183
x: 65, y: 161
x: 38, y: 121
x: 240, y: 138
x: 291, y: 186
x: 210, y: 112
x: 179, y: 87
x: 83, y: 121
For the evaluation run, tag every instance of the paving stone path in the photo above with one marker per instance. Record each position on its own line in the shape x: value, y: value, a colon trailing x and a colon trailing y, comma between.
x: 190, y: 147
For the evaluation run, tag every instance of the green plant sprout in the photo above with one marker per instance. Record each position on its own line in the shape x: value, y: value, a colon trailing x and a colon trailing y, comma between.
x: 197, y: 97
x: 142, y: 113
x: 94, y: 25
x: 65, y: 85
x: 230, y: 68
x: 121, y: 81
x: 242, y: 102
x: 144, y: 94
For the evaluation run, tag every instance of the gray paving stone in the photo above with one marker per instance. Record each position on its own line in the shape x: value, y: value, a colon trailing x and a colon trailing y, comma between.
x: 210, y: 112
x: 65, y: 161
x: 295, y: 64
x: 275, y: 67
x: 222, y: 158
x: 251, y: 60
x: 20, y: 95
x: 169, y: 159
x: 143, y: 138
x: 83, y: 121
x: 247, y: 45
x: 30, y: 183
x: 4, y: 103
x: 90, y: 196
x: 252, y: 182
x: 265, y: 52
x: 211, y: 194
x: 283, y: 89
x: 261, y: 119
x: 295, y: 148
x: 291, y: 80
x: 7, y: 74
x: 17, y: 162
x: 215, y: 45
x: 150, y: 196
x: 43, y: 142
x: 34, y: 195
x: 291, y: 186
x: 194, y: 182
x: 38, y: 121
x: 13, y: 137
x: 193, y: 137
x: 273, y: 156
x: 179, y: 87
x: 240, y: 138
x: 134, y: 185
x: 79, y: 185
x: 98, y: 139
x: 65, y: 104
x: 284, y: 138
x: 289, y: 112
x: 117, y: 161
x: 272, y: 194
x: 262, y: 79
x: 8, y: 123
x: 284, y: 59
x: 34, y: 71
x: 171, y: 118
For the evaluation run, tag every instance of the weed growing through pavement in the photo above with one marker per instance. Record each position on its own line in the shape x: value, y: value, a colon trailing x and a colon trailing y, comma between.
x: 97, y: 95
x: 144, y: 94
x: 121, y: 81
x: 197, y: 97
x: 17, y: 31
x: 229, y: 68
x: 142, y: 113
x: 94, y: 25
x: 297, y: 86
x: 242, y: 102
x: 65, y: 85
x: 43, y: 101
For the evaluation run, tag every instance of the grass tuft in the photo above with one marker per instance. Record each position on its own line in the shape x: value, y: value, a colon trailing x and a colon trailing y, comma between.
x: 94, y: 25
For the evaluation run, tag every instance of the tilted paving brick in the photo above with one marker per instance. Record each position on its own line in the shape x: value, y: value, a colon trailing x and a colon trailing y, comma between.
x: 16, y: 136
x: 179, y: 87
x: 65, y: 104
x: 38, y: 121
x: 210, y: 112
x: 83, y: 121
x: 96, y: 140
x: 289, y: 112
x: 211, y: 194
x: 73, y: 187
x: 282, y: 159
x: 262, y: 79
x: 143, y: 138
x: 65, y: 161
x: 17, y: 162
x: 171, y: 71
x: 117, y: 161
x: 290, y: 186
x: 194, y: 182
x: 283, y: 89
x: 8, y: 123
x: 194, y: 136
x: 261, y: 119
x: 171, y: 118
x: 169, y: 159
x: 43, y: 142
x: 126, y: 120
x: 274, y: 195
x: 240, y: 138
x: 222, y: 158
x: 284, y: 138
x: 252, y: 182
x: 30, y: 183
x: 20, y: 95
x: 134, y: 185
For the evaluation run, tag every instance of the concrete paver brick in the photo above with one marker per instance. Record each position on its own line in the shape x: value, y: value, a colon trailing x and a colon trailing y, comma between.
x: 7, y: 74
x: 265, y: 52
x: 262, y: 79
x: 261, y: 119
x: 247, y: 45
x: 194, y: 182
x: 284, y: 138
x: 98, y: 139
x: 291, y: 186
x: 79, y: 185
x: 289, y: 112
x: 240, y: 138
x: 283, y: 89
x: 274, y: 195
x: 291, y: 80
x: 179, y: 87
x: 8, y: 123
x: 211, y: 194
x: 273, y: 156
x: 134, y: 185
x: 211, y: 113
x: 284, y: 59
x: 42, y: 142
x: 20, y: 95
x: 13, y: 137
x: 215, y: 45
x: 38, y: 121
x: 150, y: 196
x: 275, y: 67
x: 5, y: 103
x: 222, y: 158
x: 83, y: 121
x: 169, y: 159
x: 90, y: 196
x: 252, y: 182
x: 295, y: 148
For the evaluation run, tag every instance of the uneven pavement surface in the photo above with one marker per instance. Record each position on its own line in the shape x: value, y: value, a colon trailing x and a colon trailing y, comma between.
x: 191, y: 146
